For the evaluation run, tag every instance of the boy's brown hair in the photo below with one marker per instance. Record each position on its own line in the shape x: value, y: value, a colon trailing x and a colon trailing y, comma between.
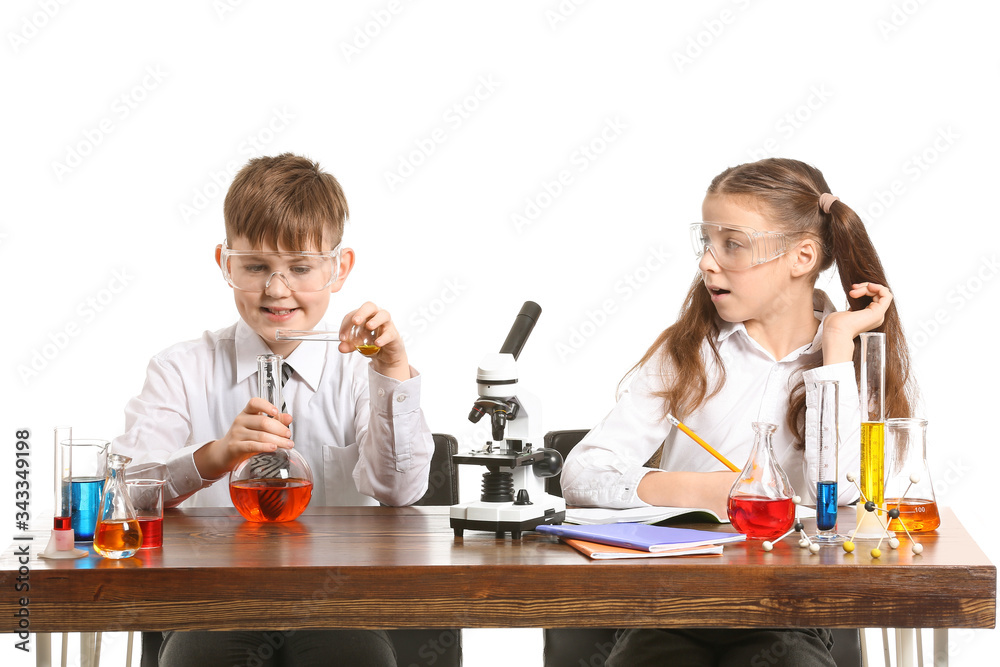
x: 286, y: 201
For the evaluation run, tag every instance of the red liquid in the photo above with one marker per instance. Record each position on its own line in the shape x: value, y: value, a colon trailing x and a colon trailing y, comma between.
x: 62, y: 523
x: 761, y: 518
x: 271, y: 499
x: 152, y: 532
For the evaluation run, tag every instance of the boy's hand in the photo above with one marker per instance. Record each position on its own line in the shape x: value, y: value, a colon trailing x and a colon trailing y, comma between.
x: 841, y: 328
x: 390, y: 360
x: 259, y: 428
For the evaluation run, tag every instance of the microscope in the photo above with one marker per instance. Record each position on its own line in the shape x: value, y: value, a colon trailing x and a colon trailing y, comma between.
x: 513, y: 492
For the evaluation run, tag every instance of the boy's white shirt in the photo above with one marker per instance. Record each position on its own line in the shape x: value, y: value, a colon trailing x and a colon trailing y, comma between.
x: 605, y: 468
x: 363, y: 434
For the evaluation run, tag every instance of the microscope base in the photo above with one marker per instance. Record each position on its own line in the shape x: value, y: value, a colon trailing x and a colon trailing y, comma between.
x: 502, y: 518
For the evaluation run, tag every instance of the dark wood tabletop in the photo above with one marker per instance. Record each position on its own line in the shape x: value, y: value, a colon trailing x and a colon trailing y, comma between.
x: 380, y: 567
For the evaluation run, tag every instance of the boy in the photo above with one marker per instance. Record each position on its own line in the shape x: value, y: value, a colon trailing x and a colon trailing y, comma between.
x: 360, y: 429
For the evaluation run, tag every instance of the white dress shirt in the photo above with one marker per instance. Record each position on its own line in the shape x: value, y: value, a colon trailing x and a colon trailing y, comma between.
x: 363, y: 434
x: 604, y: 470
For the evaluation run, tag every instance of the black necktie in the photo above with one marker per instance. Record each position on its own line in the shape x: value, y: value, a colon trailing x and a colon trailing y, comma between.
x: 286, y: 372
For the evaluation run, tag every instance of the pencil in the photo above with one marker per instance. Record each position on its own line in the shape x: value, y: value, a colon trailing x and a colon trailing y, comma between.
x: 708, y: 448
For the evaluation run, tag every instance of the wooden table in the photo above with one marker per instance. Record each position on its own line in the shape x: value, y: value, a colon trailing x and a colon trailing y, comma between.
x: 379, y: 567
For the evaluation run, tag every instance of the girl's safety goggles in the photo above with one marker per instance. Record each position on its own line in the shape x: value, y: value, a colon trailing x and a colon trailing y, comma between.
x: 736, y: 248
x: 253, y: 270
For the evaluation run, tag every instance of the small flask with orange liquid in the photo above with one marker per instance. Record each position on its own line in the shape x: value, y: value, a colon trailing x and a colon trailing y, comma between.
x: 760, y: 502
x: 908, y: 485
x: 118, y: 534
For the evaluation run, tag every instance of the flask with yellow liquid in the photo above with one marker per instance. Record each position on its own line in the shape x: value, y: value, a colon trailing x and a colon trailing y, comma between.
x: 118, y: 534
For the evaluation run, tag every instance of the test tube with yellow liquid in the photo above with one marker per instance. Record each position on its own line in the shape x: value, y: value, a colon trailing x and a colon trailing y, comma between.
x: 872, y: 387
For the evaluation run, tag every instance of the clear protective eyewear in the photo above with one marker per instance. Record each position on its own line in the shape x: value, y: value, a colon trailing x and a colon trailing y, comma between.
x: 736, y: 248
x: 253, y: 270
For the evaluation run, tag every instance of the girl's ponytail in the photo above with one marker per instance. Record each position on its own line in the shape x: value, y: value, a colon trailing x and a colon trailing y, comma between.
x: 849, y: 245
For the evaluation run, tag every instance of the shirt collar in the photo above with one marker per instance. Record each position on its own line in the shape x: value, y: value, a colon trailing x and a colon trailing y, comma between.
x: 822, y: 306
x: 307, y: 359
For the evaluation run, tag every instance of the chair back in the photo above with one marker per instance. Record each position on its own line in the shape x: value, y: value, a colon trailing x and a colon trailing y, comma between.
x: 563, y: 442
x: 442, y: 481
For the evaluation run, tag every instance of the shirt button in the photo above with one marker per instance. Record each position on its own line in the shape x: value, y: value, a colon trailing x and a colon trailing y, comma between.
x: 381, y: 392
x: 401, y: 398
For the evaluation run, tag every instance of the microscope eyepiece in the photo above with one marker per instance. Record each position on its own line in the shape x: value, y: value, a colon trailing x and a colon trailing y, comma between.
x: 521, y: 329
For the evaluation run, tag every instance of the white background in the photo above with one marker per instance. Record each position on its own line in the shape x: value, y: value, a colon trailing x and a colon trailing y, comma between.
x: 123, y: 124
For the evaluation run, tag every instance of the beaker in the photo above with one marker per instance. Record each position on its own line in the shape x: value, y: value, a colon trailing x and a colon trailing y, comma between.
x: 908, y: 485
x: 271, y: 486
x: 84, y: 464
x: 146, y: 495
x: 872, y: 389
x: 118, y: 534
x: 760, y: 501
x: 827, y: 461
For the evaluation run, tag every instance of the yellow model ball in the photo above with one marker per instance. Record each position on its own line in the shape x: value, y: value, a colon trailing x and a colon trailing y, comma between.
x: 848, y: 546
x: 876, y: 553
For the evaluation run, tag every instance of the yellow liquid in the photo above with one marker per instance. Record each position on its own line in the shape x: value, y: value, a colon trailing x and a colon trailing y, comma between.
x: 368, y: 350
x: 873, y: 462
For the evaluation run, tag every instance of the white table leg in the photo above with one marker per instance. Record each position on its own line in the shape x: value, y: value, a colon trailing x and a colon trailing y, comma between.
x: 940, y: 647
x: 886, y: 655
x: 43, y: 649
x: 86, y: 649
x: 904, y: 647
x: 862, y: 634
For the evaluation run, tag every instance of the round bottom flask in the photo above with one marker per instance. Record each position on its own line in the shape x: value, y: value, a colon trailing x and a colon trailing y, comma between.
x: 271, y: 487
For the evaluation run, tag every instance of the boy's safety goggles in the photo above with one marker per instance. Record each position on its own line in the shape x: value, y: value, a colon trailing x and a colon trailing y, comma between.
x: 253, y: 270
x: 736, y: 248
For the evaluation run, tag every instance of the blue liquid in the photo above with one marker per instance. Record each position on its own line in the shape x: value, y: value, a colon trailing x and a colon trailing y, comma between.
x: 86, y: 504
x: 826, y: 505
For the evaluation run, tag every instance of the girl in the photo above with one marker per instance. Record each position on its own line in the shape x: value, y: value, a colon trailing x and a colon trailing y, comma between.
x: 752, y: 336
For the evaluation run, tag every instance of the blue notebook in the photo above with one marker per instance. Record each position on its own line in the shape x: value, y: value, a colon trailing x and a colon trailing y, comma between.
x: 642, y: 536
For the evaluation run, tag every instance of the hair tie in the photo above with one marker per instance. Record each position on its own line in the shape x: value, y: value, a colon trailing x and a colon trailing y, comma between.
x: 826, y: 201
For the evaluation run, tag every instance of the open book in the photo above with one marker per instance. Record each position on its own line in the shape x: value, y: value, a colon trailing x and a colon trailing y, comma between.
x: 589, y: 516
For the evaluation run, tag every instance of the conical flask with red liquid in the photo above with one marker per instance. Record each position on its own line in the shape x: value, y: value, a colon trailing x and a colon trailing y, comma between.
x: 760, y: 501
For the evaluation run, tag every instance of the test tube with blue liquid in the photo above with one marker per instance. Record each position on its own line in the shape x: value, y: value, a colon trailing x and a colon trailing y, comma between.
x: 827, y: 466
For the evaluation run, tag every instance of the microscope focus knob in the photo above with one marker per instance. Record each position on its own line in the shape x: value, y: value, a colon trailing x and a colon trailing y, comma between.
x: 550, y: 466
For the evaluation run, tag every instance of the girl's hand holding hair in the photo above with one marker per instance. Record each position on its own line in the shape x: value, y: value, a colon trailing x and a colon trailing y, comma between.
x: 841, y: 328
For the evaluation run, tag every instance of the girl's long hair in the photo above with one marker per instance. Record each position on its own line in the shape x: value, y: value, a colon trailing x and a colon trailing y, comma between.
x: 786, y: 191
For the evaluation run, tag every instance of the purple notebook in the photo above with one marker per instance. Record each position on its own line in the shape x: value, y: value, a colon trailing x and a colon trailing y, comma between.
x: 642, y: 536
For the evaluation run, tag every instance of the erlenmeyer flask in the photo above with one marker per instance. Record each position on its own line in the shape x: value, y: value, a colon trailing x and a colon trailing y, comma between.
x: 906, y: 456
x: 118, y: 534
x: 760, y: 501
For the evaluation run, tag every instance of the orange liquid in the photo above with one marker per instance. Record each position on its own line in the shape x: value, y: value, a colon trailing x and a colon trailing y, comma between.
x: 368, y: 350
x: 271, y: 499
x: 117, y: 539
x: 919, y: 516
